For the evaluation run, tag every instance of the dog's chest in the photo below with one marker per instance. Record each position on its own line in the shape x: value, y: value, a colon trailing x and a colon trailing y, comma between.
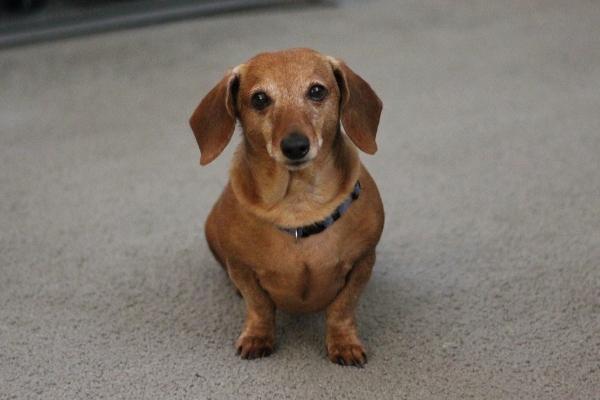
x: 302, y: 285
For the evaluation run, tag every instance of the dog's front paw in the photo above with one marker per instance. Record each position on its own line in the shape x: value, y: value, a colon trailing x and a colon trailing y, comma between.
x: 250, y: 347
x: 347, y: 353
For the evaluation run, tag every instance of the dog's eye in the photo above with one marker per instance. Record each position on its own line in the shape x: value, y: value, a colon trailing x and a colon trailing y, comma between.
x: 317, y: 93
x: 260, y: 100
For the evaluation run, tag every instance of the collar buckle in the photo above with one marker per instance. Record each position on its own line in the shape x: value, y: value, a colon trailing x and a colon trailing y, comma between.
x: 318, y: 227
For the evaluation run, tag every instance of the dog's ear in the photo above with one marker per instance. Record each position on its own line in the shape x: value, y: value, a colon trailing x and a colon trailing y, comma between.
x: 214, y: 120
x: 360, y: 107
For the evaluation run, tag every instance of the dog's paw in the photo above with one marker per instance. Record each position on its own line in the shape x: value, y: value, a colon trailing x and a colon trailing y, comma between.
x: 251, y: 347
x: 348, y: 354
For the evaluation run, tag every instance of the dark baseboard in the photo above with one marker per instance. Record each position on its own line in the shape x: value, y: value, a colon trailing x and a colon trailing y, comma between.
x: 61, y: 19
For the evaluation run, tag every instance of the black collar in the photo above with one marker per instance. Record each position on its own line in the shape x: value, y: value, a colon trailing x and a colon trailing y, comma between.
x: 318, y: 227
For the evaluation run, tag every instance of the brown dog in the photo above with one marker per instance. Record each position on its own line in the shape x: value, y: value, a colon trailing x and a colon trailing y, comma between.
x: 297, y: 224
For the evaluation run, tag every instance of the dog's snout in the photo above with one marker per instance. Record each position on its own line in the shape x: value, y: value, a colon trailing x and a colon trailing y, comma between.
x: 295, y: 146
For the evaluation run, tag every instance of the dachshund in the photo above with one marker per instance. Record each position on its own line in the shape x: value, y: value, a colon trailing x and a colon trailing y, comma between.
x: 298, y: 222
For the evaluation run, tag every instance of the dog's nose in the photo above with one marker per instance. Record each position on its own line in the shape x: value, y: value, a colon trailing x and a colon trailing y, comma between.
x: 295, y: 146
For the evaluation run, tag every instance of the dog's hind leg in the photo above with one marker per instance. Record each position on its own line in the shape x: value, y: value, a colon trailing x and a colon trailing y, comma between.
x: 211, y: 232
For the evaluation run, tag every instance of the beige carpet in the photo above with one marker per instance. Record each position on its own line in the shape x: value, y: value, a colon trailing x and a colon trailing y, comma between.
x: 487, y: 284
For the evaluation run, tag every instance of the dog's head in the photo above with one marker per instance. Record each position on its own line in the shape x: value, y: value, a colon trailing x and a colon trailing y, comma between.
x: 290, y: 104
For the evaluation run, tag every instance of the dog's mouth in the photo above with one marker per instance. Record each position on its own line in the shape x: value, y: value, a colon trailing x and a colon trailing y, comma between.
x: 297, y: 164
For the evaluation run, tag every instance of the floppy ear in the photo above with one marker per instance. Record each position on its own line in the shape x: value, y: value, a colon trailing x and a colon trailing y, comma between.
x: 360, y: 107
x: 213, y: 122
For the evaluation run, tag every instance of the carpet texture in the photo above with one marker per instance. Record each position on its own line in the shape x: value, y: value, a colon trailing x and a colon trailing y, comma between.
x: 487, y: 283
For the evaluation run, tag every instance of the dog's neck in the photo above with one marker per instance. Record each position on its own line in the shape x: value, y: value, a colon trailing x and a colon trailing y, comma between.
x: 289, y: 198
